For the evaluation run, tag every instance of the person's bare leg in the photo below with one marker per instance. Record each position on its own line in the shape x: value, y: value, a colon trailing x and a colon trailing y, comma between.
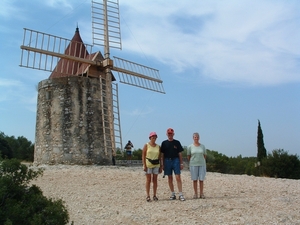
x: 195, y: 182
x: 201, y: 184
x: 148, y: 181
x: 154, y: 180
x: 179, y: 183
x: 170, y: 181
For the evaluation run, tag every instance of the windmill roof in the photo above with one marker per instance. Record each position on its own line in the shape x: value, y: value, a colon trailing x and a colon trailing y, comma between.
x: 67, y: 67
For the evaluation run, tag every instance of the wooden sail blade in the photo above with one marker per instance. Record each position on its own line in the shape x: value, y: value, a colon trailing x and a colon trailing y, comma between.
x: 43, y: 52
x: 105, y: 15
x: 138, y: 75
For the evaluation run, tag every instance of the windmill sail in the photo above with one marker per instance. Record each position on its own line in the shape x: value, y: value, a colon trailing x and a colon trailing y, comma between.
x: 106, y: 20
x: 138, y: 75
x: 43, y: 51
x: 106, y: 32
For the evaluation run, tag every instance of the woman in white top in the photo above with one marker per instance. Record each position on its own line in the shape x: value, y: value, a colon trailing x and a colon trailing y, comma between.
x: 196, y: 154
x: 151, y: 164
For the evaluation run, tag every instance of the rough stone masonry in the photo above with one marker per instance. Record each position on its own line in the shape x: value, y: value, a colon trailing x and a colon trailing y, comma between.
x: 69, y: 124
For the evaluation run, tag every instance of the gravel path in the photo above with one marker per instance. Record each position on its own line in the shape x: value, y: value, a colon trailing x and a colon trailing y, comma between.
x: 116, y: 195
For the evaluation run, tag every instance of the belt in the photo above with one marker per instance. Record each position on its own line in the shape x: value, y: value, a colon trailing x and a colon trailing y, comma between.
x: 171, y: 158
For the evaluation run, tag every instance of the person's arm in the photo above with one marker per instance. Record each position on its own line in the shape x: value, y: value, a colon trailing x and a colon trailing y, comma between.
x: 144, y: 157
x: 180, y: 154
x: 188, y: 153
x: 188, y: 157
x: 162, y: 155
x: 161, y: 161
x: 180, y: 160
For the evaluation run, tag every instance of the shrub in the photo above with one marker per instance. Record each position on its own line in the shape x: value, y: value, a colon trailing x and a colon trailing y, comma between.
x: 5, y: 149
x: 24, y: 204
x: 282, y: 165
x: 216, y: 162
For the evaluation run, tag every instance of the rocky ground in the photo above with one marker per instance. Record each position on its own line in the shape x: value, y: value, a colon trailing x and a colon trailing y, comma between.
x: 116, y: 195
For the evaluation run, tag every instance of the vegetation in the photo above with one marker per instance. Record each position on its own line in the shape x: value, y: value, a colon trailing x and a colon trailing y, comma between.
x: 276, y: 164
x: 261, y: 150
x: 5, y: 149
x: 24, y: 204
x: 19, y: 148
x: 216, y: 162
x: 282, y: 165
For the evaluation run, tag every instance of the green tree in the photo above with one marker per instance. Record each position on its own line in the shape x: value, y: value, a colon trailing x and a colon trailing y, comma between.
x: 282, y: 165
x: 20, y: 147
x: 216, y: 162
x: 137, y: 154
x: 241, y: 165
x: 24, y: 204
x: 261, y: 150
x: 120, y: 154
x: 5, y: 150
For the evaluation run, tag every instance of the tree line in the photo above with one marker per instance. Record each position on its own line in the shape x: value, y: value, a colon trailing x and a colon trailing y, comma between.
x: 18, y: 148
x: 278, y: 163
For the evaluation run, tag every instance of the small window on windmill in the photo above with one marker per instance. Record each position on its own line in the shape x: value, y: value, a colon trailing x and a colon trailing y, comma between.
x: 48, y: 95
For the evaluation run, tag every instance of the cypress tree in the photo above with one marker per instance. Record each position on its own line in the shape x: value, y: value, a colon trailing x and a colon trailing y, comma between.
x: 261, y: 150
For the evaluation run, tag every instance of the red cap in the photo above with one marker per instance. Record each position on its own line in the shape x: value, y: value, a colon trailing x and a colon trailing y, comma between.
x: 152, y: 134
x: 170, y: 131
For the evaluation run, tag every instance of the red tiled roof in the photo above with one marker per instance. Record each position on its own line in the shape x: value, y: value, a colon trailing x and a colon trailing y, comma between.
x: 66, y: 67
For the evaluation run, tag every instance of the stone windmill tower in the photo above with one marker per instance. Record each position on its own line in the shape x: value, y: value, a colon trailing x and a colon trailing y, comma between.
x: 78, y: 120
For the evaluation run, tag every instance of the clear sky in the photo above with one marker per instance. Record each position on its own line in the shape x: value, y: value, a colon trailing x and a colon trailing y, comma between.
x: 224, y: 65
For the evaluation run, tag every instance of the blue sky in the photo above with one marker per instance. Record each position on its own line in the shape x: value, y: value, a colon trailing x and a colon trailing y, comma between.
x: 224, y: 65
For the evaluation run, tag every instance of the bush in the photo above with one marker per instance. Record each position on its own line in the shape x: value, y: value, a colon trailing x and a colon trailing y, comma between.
x: 19, y: 148
x: 24, y: 204
x: 137, y: 154
x: 5, y: 150
x: 216, y: 162
x: 282, y: 165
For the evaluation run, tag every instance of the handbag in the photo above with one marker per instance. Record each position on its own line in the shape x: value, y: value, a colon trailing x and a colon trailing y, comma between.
x: 153, y: 161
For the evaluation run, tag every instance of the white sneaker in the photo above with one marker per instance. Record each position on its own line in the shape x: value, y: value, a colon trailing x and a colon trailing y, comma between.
x: 181, y: 198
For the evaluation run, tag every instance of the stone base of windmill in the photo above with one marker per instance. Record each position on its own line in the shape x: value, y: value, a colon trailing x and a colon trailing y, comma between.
x: 69, y: 124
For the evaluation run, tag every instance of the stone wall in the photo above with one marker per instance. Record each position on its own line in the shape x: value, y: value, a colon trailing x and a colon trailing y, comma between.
x: 69, y: 122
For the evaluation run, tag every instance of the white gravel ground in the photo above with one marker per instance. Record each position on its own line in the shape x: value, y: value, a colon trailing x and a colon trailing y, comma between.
x: 116, y: 195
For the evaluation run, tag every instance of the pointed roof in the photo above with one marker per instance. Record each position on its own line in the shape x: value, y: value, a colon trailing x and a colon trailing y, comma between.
x: 66, y: 67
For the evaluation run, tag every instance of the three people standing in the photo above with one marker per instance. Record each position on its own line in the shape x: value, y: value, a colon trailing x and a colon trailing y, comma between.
x: 168, y: 157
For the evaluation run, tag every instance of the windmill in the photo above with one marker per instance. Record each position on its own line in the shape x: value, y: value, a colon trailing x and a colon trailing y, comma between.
x: 78, y: 119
